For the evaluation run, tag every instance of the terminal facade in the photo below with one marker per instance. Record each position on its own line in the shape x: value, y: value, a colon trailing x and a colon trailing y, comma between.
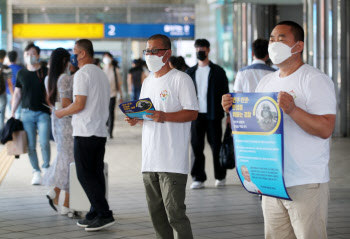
x: 230, y: 25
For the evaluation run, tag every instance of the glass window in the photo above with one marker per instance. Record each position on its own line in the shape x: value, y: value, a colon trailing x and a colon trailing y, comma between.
x: 18, y: 18
x: 225, y: 31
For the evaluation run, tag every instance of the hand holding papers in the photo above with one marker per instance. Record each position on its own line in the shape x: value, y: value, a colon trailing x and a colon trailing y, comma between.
x: 137, y: 109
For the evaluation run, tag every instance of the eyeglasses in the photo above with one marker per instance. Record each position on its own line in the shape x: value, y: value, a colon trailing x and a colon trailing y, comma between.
x: 153, y: 51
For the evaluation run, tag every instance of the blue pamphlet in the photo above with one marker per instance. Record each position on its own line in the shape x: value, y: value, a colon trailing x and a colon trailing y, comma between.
x: 137, y: 108
x: 257, y: 128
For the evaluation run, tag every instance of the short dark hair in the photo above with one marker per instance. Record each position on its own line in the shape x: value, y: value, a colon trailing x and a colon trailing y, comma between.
x: 2, y: 54
x: 260, y: 48
x: 174, y: 61
x: 297, y: 30
x: 166, y: 40
x: 202, y: 43
x: 12, y: 56
x: 31, y: 45
x: 86, y: 44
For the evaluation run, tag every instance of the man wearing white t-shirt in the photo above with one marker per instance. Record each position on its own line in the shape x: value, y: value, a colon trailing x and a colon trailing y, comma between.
x: 165, y: 140
x: 307, y: 99
x: 249, y: 77
x: 90, y: 113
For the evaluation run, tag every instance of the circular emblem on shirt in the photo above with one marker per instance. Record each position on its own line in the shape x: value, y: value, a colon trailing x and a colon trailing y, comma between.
x: 164, y: 95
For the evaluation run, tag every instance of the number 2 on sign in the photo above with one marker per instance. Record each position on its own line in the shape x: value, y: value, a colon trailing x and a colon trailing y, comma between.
x: 111, y: 31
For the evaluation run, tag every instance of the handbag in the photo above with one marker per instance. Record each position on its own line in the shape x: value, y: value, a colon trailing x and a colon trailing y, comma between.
x: 19, y: 143
x: 227, y: 154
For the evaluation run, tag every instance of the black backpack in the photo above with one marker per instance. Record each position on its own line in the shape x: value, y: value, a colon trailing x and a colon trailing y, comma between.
x: 2, y: 80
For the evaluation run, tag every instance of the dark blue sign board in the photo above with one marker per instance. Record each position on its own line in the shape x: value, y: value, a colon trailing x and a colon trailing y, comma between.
x: 113, y: 30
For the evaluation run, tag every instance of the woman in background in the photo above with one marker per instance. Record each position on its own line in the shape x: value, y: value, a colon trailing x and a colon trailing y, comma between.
x: 112, y: 71
x: 59, y: 85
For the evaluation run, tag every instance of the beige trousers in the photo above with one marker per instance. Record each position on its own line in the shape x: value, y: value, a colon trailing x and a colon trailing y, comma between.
x: 303, y: 218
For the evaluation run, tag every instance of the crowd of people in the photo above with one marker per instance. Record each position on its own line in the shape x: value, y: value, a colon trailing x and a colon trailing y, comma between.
x: 191, y: 103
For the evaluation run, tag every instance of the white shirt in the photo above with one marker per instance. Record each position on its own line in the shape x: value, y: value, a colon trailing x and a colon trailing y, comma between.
x: 202, y: 79
x: 92, y: 82
x: 305, y: 156
x: 111, y: 77
x: 165, y: 145
x: 250, y: 186
x: 248, y: 77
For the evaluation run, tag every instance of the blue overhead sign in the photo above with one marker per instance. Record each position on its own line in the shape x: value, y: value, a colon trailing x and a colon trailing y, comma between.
x: 146, y: 30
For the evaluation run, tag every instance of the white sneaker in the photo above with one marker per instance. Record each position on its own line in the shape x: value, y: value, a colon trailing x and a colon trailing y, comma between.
x: 36, y: 180
x: 66, y: 210
x: 44, y: 170
x: 220, y: 183
x: 197, y: 185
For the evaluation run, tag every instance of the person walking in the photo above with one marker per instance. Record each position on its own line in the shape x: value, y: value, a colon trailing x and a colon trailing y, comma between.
x: 5, y: 83
x: 211, y: 83
x: 165, y: 140
x: 10, y: 87
x: 30, y: 90
x: 91, y: 93
x: 115, y: 82
x: 59, y: 87
x: 135, y: 79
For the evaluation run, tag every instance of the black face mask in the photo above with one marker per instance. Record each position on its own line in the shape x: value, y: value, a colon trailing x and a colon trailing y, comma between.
x: 201, y: 55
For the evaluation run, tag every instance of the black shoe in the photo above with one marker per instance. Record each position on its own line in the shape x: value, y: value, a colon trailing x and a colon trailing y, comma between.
x: 84, y: 222
x: 100, y: 223
x: 51, y: 203
x: 51, y: 195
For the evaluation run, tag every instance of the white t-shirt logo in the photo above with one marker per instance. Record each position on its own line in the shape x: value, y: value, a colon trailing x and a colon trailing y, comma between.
x: 164, y: 95
x: 292, y: 93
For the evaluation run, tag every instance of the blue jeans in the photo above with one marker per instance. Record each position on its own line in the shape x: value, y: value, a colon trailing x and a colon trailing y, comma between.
x: 33, y: 121
x: 19, y: 108
x: 136, y: 93
x: 2, y: 109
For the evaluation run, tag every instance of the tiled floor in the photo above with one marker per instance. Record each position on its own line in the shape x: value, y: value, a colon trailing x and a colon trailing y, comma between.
x: 229, y: 212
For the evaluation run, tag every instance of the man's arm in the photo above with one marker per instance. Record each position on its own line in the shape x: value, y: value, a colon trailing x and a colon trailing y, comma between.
x: 10, y: 85
x: 178, y: 117
x: 129, y: 80
x: 318, y: 125
x: 120, y: 85
x: 77, y: 106
x: 16, y: 99
x: 225, y: 79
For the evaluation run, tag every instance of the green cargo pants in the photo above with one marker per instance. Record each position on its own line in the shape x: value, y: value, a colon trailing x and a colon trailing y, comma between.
x: 165, y: 194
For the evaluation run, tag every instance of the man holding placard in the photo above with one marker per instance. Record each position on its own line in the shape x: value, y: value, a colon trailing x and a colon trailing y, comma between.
x: 307, y: 98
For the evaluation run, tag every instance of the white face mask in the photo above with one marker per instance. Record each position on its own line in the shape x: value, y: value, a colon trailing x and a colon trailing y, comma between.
x: 107, y: 60
x: 31, y: 60
x: 279, y: 52
x: 154, y: 62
